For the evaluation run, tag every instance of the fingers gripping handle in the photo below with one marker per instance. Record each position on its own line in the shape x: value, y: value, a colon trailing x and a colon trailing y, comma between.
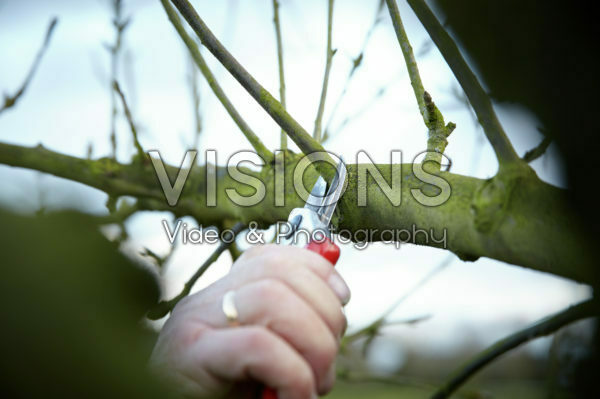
x: 329, y: 251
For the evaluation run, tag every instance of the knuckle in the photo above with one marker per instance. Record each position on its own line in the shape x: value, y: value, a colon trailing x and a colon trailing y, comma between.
x: 255, y: 338
x: 248, y: 254
x: 322, y: 265
x: 267, y: 249
x: 185, y: 333
x: 254, y: 252
x: 271, y: 290
x: 273, y: 261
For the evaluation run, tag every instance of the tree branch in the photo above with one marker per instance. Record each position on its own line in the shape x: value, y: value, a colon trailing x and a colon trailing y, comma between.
x: 373, y: 329
x: 409, y: 58
x: 542, y: 328
x: 276, y: 22
x: 164, y: 307
x: 129, y: 118
x: 478, y: 98
x: 273, y: 107
x: 120, y: 25
x: 540, y: 233
x: 538, y: 151
x: 195, y: 94
x: 438, y: 131
x: 192, y: 47
x: 328, y: 62
x: 356, y: 63
x: 358, y: 114
x: 10, y: 101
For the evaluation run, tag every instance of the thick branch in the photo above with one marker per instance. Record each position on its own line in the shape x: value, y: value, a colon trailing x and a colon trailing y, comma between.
x: 542, y: 328
x: 478, y: 98
x: 10, y: 101
x: 328, y: 62
x: 534, y: 228
x: 273, y: 107
x: 192, y: 47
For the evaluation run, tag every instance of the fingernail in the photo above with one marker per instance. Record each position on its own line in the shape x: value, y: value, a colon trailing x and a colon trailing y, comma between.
x: 329, y: 379
x: 338, y: 286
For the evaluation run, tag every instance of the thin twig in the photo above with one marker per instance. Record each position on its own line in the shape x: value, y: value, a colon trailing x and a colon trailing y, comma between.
x: 192, y: 47
x: 161, y: 260
x: 542, y: 328
x: 129, y: 118
x: 277, y: 23
x: 356, y: 63
x: 266, y: 100
x: 430, y: 275
x: 478, y: 98
x: 120, y: 25
x: 195, y: 92
x: 328, y: 62
x: 118, y: 214
x: 353, y: 116
x: 438, y: 131
x: 538, y: 151
x: 373, y: 328
x: 235, y: 251
x: 10, y: 101
x: 164, y: 307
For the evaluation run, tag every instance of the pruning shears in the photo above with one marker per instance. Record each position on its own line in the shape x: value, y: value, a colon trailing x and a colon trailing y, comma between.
x: 309, y: 226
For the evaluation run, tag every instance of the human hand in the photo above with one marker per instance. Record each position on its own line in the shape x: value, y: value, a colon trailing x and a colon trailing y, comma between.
x: 289, y: 304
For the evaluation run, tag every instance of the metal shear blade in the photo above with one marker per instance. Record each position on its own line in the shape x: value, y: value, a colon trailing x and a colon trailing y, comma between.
x: 324, y: 204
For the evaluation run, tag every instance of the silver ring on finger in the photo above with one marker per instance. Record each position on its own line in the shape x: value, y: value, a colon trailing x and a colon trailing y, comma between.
x: 229, y: 309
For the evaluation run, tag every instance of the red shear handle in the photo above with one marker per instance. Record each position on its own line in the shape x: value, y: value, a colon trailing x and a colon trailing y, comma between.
x: 326, y: 249
x: 329, y: 251
x: 268, y: 393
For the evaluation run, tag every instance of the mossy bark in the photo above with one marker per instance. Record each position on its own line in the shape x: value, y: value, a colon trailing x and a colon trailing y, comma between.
x: 513, y: 217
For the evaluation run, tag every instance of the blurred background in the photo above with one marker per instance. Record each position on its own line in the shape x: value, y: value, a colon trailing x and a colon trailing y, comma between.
x: 449, y: 309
